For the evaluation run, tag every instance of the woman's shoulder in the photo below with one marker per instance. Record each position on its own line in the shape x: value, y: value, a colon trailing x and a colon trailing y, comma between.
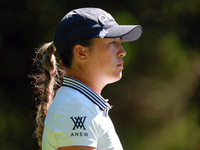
x: 68, y: 100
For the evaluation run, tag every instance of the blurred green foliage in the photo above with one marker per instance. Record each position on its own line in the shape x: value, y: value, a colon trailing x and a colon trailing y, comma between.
x: 156, y: 103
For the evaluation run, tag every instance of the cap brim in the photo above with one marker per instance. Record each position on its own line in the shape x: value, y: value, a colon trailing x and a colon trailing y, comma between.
x: 126, y: 32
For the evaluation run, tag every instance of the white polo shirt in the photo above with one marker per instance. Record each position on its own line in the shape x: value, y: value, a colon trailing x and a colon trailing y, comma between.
x: 78, y: 117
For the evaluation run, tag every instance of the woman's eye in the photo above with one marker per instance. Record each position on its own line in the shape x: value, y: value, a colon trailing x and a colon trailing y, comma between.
x: 114, y: 42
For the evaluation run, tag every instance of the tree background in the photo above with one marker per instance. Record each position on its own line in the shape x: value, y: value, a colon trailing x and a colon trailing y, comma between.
x: 156, y: 103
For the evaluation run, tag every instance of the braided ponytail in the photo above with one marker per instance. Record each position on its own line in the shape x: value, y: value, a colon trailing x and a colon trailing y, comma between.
x: 45, y: 84
x: 48, y: 81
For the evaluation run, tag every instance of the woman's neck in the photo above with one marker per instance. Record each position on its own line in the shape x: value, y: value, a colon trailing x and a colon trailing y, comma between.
x: 95, y: 83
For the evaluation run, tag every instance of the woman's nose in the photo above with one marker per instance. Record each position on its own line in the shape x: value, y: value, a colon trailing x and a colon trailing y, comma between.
x: 122, y: 51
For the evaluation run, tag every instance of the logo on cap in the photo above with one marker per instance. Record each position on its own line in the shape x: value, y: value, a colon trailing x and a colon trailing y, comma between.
x: 103, y: 33
x: 104, y: 17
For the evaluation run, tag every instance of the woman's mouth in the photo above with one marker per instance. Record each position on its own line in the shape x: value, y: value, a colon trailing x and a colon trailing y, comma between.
x: 121, y: 64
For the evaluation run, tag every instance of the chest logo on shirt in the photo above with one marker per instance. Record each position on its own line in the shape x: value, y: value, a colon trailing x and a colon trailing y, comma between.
x: 78, y: 122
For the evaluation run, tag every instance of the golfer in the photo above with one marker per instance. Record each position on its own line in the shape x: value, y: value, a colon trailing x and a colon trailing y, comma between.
x: 88, y: 46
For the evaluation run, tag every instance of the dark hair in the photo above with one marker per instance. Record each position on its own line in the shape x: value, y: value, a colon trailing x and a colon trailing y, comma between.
x: 48, y: 81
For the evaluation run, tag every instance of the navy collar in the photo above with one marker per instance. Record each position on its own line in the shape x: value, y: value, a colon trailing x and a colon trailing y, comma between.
x: 87, y: 91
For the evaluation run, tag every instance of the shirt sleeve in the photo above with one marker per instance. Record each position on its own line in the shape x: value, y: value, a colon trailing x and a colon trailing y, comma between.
x: 74, y: 124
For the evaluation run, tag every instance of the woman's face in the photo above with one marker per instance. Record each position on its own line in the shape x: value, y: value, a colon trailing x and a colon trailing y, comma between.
x: 106, y: 59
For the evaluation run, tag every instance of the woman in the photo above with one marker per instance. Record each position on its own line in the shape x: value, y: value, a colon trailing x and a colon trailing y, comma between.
x: 88, y: 43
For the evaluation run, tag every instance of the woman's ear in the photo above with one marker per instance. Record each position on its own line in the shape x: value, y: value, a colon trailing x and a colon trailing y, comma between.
x: 81, y: 52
